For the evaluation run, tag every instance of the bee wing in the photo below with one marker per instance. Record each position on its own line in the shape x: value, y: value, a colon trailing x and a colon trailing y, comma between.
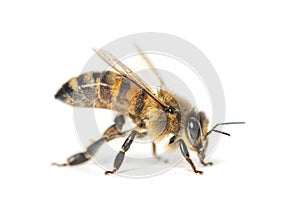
x: 153, y: 69
x: 125, y: 71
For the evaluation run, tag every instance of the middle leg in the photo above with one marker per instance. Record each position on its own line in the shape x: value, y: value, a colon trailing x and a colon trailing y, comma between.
x: 120, y: 156
x: 154, y: 152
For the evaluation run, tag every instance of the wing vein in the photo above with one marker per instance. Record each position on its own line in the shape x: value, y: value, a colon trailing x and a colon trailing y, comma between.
x: 125, y: 71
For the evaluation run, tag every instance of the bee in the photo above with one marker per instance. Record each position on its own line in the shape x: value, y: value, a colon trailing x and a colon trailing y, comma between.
x: 158, y: 114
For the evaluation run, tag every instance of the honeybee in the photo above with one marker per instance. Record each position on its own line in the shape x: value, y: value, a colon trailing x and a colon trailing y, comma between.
x: 158, y: 114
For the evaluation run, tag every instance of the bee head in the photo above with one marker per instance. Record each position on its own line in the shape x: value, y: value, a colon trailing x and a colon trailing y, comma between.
x: 196, y: 130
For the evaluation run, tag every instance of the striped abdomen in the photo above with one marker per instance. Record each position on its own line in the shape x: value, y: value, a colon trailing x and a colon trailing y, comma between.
x: 105, y: 89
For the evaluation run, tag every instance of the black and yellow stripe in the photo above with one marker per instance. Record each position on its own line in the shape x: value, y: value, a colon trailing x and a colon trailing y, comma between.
x: 105, y: 89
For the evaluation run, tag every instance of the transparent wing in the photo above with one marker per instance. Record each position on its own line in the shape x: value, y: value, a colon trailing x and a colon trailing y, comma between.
x: 125, y: 71
x: 153, y: 69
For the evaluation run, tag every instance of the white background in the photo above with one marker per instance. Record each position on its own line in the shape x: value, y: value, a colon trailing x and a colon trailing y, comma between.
x: 254, y: 47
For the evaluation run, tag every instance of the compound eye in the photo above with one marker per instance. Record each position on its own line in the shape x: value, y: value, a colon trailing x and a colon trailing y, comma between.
x: 193, y: 128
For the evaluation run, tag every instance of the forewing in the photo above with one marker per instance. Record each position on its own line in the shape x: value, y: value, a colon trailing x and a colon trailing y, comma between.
x: 150, y: 64
x: 125, y: 71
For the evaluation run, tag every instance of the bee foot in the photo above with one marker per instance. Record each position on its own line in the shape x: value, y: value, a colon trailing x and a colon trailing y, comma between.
x: 110, y: 172
x: 59, y: 165
x: 160, y: 158
x: 198, y: 172
x: 206, y: 164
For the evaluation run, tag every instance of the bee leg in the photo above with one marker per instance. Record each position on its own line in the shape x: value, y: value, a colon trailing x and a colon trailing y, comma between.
x: 75, y: 159
x: 186, y: 155
x: 154, y: 151
x: 155, y: 154
x: 112, y: 132
x: 83, y: 157
x: 206, y: 163
x: 120, y: 156
x: 202, y: 161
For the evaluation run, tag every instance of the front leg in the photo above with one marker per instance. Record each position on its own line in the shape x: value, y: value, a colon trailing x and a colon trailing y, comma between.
x: 202, y: 161
x: 186, y: 155
x: 206, y: 163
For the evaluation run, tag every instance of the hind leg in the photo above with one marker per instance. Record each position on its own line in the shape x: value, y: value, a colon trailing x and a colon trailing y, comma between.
x: 112, y: 132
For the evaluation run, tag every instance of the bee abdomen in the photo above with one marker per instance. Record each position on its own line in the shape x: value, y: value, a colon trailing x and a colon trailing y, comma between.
x: 105, y: 89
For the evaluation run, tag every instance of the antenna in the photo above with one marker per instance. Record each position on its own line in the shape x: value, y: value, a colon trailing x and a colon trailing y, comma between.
x: 219, y: 124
